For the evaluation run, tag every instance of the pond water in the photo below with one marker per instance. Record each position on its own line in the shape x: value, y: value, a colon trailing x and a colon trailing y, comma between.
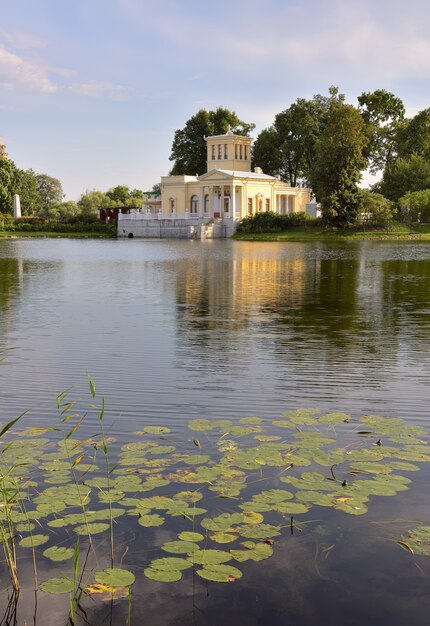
x: 175, y: 331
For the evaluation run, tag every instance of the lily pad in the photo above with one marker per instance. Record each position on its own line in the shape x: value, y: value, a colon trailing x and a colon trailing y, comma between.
x: 190, y: 536
x: 115, y: 577
x: 162, y: 576
x: 220, y: 573
x: 32, y: 541
x: 58, y: 585
x: 56, y: 553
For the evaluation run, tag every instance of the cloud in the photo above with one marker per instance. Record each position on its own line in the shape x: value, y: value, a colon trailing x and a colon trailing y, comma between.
x: 95, y: 89
x: 22, y: 39
x: 19, y: 73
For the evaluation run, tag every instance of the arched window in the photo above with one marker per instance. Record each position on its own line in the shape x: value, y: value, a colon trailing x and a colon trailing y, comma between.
x: 206, y: 207
x: 194, y: 204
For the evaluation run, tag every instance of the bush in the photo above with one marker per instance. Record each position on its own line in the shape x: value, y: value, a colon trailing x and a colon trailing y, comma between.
x: 271, y: 222
x: 375, y: 208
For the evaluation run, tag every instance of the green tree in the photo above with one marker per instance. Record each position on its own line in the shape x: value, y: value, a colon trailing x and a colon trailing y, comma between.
x: 339, y: 161
x: 119, y: 194
x: 376, y: 207
x: 27, y: 188
x: 50, y: 190
x: 416, y: 205
x: 189, y: 147
x: 8, y: 173
x: 384, y: 114
x: 414, y: 136
x: 91, y: 201
x: 404, y: 175
x: 288, y: 148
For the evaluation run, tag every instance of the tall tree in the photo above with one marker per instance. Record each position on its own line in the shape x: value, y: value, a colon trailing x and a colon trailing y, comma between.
x: 403, y: 175
x: 8, y: 173
x: 120, y: 194
x: 189, y: 146
x: 288, y: 148
x: 414, y: 136
x: 384, y: 114
x: 91, y: 201
x: 50, y: 190
x: 340, y: 159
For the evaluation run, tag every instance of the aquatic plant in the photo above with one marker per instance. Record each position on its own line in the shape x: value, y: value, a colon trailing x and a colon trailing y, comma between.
x: 225, y: 497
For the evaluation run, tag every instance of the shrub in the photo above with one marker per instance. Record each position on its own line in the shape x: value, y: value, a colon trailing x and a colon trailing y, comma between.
x: 415, y: 206
x: 270, y: 222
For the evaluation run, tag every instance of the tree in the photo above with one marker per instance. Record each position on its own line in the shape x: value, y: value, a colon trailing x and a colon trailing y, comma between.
x: 383, y: 113
x: 189, y: 147
x: 27, y: 188
x: 8, y: 172
x: 288, y: 148
x: 404, y: 175
x: 339, y: 160
x: 266, y: 152
x: 119, y: 194
x: 91, y: 201
x: 414, y: 136
x: 50, y: 190
x: 416, y: 205
x: 376, y: 207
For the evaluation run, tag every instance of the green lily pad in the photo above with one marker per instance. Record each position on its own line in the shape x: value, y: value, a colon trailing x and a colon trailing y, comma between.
x: 162, y: 576
x: 252, y: 552
x: 223, y: 537
x: 58, y: 585
x: 33, y: 541
x: 210, y: 557
x: 168, y: 564
x: 190, y: 536
x: 220, y: 573
x: 92, y: 529
x: 151, y: 520
x: 56, y: 553
x: 115, y: 577
x: 180, y: 547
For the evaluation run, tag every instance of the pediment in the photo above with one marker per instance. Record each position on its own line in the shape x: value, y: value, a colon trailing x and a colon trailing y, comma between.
x: 215, y: 175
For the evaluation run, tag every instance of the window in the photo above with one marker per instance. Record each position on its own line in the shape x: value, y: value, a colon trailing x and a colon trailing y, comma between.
x: 219, y: 152
x: 235, y: 151
x: 213, y: 152
x: 249, y: 206
x: 259, y: 204
x: 225, y: 151
x: 172, y: 205
x: 245, y: 150
x: 206, y: 203
x: 226, y: 204
x: 194, y: 205
x: 240, y: 152
x: 267, y: 204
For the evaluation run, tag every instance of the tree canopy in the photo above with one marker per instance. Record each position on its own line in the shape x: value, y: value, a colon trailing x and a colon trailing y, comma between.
x: 189, y: 147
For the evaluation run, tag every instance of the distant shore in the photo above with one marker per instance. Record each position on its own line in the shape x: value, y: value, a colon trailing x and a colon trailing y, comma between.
x: 8, y: 234
x: 399, y: 232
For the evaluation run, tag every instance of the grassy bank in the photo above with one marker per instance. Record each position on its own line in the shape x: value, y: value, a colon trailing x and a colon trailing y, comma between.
x: 8, y: 234
x: 396, y: 232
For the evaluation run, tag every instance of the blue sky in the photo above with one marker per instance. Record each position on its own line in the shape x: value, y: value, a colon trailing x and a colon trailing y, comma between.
x: 91, y: 92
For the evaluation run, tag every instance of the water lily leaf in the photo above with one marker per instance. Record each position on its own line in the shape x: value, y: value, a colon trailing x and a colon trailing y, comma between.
x: 200, y: 425
x: 56, y: 553
x: 334, y: 418
x: 58, y: 585
x: 418, y: 540
x: 260, y: 531
x: 253, y: 420
x: 162, y: 576
x: 252, y: 552
x: 190, y: 536
x: 115, y: 577
x: 161, y: 449
x: 188, y: 496
x: 196, y: 459
x: 266, y: 438
x: 155, y: 430
x: 33, y: 541
x: 251, y: 517
x: 291, y: 508
x: 222, y: 522
x: 168, y: 564
x: 220, y: 573
x: 92, y: 529
x: 223, y: 537
x: 210, y: 557
x: 180, y: 547
x: 151, y: 520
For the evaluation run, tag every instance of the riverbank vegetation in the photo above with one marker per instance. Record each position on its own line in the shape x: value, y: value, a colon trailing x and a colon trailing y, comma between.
x: 78, y: 227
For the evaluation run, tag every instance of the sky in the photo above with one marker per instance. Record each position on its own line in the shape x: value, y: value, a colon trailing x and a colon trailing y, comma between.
x: 92, y: 91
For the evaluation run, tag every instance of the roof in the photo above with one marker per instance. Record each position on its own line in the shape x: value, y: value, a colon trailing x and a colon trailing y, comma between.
x: 240, y: 174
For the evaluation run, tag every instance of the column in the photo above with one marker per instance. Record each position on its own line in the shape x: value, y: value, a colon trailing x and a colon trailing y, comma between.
x: 232, y: 203
x: 202, y: 202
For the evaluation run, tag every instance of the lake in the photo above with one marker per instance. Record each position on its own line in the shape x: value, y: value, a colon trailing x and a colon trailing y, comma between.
x: 178, y: 331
